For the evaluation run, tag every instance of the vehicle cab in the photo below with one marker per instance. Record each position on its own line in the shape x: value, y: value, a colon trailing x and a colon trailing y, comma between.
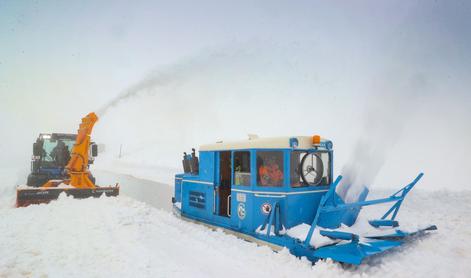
x: 236, y: 185
x: 51, y: 153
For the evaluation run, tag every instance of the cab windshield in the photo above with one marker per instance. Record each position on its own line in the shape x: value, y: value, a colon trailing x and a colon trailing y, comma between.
x: 56, y: 152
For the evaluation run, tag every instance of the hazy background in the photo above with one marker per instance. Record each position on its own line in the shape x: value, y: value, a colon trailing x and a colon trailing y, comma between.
x: 387, y: 81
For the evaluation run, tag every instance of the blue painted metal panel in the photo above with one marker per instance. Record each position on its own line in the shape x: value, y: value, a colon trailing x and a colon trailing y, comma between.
x: 340, y: 235
x: 301, y: 208
x: 192, y: 190
x: 178, y: 187
x: 241, y: 209
x: 207, y: 163
x: 51, y: 171
x: 383, y: 223
x: 260, y: 204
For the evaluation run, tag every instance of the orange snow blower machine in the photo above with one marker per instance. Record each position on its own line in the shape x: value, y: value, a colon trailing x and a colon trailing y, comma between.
x: 61, y: 163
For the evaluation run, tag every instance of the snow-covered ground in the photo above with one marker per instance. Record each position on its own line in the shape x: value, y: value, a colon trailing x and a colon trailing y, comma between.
x: 124, y: 237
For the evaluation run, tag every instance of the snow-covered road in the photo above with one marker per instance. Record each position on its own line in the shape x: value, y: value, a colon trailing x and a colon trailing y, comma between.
x: 123, y: 237
x: 158, y: 195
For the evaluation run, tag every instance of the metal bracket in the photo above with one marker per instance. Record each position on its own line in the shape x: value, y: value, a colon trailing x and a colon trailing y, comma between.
x: 229, y: 205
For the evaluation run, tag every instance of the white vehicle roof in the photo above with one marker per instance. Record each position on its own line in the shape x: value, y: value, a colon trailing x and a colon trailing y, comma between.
x: 304, y: 142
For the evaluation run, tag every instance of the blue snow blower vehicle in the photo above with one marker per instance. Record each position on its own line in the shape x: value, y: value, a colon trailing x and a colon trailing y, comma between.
x: 281, y: 192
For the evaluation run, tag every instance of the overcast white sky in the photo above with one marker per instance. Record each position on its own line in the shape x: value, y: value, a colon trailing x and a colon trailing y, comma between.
x: 354, y: 71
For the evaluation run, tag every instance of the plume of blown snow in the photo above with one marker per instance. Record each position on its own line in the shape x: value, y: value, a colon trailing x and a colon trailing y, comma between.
x: 223, y: 94
x: 385, y: 118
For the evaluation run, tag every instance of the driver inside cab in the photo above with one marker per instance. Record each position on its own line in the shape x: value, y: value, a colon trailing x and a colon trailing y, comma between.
x: 270, y: 173
x: 60, y: 154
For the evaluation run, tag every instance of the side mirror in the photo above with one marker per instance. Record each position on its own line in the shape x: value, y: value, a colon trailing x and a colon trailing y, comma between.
x: 94, y: 150
x: 37, y: 149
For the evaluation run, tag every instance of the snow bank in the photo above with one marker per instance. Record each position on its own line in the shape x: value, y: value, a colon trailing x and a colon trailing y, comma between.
x: 9, y: 179
x: 121, y: 237
x: 300, y: 232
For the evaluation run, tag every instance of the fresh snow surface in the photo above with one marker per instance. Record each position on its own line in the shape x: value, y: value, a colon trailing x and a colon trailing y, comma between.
x: 123, y: 237
x: 9, y: 178
x: 300, y: 232
x: 261, y: 231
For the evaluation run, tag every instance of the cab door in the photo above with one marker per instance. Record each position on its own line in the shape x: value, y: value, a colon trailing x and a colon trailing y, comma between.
x: 223, y: 186
x: 243, y: 162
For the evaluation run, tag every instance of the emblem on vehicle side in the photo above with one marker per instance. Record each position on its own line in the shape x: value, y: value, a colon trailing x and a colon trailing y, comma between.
x: 241, y: 197
x: 241, y: 211
x: 265, y: 208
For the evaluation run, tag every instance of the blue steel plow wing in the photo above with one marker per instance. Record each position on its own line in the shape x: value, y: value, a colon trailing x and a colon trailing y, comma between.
x: 353, y: 248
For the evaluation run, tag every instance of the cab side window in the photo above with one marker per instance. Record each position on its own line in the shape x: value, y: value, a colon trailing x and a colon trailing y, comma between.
x: 242, y: 168
x: 314, y: 166
x: 270, y: 168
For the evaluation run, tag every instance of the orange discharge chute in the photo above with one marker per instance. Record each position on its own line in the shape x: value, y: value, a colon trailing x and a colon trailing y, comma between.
x: 78, y: 163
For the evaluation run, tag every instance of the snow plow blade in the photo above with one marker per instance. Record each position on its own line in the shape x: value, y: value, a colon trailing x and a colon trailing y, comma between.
x: 355, y: 252
x: 399, y: 234
x: 29, y: 196
x: 335, y: 219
